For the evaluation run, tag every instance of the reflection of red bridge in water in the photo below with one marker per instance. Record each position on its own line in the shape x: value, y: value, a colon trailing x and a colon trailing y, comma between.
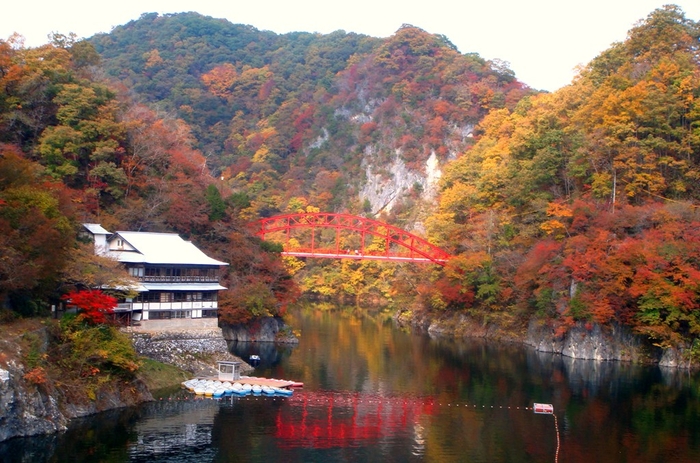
x: 339, y: 420
x: 398, y: 245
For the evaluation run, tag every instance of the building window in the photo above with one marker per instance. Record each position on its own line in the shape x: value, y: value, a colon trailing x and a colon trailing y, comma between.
x: 148, y: 296
x: 182, y: 296
x: 182, y: 314
x: 208, y: 313
x: 166, y: 297
x: 136, y: 271
x: 159, y: 315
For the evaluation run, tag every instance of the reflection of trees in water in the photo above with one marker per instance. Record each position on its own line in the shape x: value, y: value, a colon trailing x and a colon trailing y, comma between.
x: 608, y: 411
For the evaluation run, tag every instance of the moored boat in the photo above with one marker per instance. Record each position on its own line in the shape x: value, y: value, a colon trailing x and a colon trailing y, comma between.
x: 283, y: 392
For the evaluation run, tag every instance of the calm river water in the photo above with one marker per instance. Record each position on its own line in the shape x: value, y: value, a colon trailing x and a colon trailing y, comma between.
x: 376, y: 394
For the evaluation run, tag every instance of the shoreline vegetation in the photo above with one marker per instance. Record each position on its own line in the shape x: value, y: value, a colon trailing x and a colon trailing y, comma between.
x: 59, y: 370
x: 571, y: 217
x: 54, y: 371
x: 49, y: 361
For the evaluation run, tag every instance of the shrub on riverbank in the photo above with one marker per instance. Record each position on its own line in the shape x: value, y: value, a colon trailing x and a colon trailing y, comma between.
x: 159, y: 375
x: 74, y: 358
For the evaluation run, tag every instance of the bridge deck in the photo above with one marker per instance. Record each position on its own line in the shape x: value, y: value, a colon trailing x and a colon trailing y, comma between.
x: 327, y: 229
x: 322, y: 255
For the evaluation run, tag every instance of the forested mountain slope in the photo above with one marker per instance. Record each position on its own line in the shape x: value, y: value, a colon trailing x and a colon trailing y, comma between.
x: 310, y: 117
x: 578, y: 206
x: 582, y: 205
x: 74, y: 148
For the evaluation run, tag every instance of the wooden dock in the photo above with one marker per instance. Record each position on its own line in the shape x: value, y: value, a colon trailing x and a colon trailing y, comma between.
x: 253, y: 380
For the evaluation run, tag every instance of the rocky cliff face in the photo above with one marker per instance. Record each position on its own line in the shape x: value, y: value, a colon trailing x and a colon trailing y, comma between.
x: 271, y: 329
x: 27, y: 409
x: 606, y: 343
x: 383, y: 190
x: 591, y: 342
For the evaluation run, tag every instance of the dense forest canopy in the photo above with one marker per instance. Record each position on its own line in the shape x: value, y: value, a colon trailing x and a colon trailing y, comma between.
x: 294, y: 115
x: 583, y: 204
x: 573, y: 206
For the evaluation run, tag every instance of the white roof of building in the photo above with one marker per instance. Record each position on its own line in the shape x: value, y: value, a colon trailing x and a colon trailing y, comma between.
x: 160, y: 248
x: 96, y: 229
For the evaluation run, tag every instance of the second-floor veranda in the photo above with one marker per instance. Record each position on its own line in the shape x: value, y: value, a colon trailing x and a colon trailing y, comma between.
x: 174, y: 274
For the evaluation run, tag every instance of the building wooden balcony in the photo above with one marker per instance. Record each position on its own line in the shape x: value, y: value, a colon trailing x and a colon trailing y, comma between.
x: 179, y: 279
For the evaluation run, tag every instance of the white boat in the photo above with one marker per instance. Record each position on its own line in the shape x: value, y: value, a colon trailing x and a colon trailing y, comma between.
x: 190, y: 384
x: 283, y: 392
x: 256, y: 389
x: 267, y: 390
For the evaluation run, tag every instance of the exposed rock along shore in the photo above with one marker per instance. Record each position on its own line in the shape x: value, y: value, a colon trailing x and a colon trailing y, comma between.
x: 271, y: 329
x: 582, y: 341
x: 27, y: 409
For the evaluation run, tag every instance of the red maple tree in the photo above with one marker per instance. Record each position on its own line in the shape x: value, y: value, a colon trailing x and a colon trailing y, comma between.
x: 94, y: 305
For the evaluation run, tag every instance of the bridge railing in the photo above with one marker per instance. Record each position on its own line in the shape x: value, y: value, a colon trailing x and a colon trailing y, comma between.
x: 398, y: 244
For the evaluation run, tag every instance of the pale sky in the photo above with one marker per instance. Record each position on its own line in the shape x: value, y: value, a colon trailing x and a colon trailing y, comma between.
x: 543, y: 40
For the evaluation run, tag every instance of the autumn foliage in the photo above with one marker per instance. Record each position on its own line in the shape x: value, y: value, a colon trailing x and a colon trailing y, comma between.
x: 94, y: 306
x: 586, y: 199
x: 577, y: 206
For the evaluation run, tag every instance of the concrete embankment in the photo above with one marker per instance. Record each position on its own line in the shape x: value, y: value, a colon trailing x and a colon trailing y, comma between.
x: 192, y: 350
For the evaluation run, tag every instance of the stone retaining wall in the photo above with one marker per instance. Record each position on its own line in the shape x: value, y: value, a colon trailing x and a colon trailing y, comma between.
x: 193, y: 350
x: 176, y: 324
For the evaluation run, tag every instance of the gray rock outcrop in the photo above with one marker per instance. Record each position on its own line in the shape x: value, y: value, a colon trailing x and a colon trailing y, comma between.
x: 589, y: 342
x: 270, y: 329
x: 28, y: 409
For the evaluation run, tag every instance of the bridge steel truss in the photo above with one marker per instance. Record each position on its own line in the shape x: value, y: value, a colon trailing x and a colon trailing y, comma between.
x: 399, y: 245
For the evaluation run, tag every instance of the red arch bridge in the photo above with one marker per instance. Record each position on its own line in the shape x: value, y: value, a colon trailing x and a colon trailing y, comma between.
x: 345, y: 236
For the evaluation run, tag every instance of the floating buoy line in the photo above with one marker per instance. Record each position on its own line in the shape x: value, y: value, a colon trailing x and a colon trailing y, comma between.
x: 350, y: 399
x: 223, y: 392
x: 339, y: 398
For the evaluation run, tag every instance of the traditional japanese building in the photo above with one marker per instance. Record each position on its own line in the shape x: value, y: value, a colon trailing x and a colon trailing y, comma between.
x: 177, y: 281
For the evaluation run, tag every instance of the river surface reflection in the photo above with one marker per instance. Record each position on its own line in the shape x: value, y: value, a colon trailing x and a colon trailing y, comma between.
x: 374, y: 393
